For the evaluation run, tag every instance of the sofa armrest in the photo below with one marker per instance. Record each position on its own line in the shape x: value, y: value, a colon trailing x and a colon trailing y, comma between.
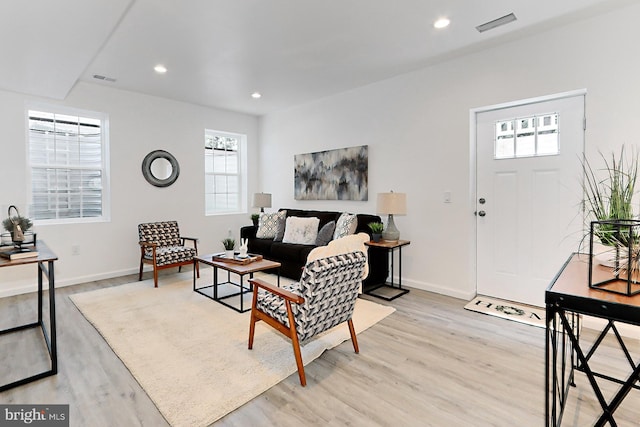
x: 248, y: 232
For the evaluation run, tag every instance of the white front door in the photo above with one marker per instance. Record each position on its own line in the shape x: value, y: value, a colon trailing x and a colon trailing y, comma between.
x: 529, y: 195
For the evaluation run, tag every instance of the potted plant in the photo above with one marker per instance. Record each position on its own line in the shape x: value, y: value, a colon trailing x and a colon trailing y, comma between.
x: 9, y: 223
x: 255, y: 217
x: 609, y: 199
x: 376, y: 230
x: 229, y: 243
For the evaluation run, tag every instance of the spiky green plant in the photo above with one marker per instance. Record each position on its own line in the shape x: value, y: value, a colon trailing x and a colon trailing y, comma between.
x: 376, y: 227
x: 229, y: 243
x: 610, y: 198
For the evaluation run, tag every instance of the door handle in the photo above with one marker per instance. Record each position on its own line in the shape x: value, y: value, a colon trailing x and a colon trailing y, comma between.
x: 482, y: 213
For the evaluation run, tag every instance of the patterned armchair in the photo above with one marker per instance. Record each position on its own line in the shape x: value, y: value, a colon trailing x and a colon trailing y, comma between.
x: 324, y: 297
x: 162, y: 246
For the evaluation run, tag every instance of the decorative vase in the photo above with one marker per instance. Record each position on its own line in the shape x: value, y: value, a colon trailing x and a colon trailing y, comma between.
x: 229, y: 254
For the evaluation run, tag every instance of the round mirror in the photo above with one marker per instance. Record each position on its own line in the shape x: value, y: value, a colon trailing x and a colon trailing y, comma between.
x: 160, y: 168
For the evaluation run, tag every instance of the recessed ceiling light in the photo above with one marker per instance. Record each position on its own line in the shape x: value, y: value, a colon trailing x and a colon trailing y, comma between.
x: 441, y: 23
x: 160, y: 69
x: 256, y: 95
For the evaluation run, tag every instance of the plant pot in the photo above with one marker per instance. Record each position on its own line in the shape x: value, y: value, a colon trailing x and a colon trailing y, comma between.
x: 376, y: 237
x: 255, y: 222
x: 229, y: 254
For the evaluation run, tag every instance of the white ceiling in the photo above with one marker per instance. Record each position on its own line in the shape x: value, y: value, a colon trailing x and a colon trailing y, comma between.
x: 220, y: 51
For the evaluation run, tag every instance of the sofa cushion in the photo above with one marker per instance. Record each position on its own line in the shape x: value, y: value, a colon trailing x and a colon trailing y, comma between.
x: 268, y: 224
x: 261, y: 246
x: 346, y: 225
x: 290, y: 251
x: 325, y: 234
x: 323, y: 216
x: 301, y: 230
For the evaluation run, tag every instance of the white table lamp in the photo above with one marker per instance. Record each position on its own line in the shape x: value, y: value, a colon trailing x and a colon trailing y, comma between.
x: 262, y: 200
x: 392, y: 204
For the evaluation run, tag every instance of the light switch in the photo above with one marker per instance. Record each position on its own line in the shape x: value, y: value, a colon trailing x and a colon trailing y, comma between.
x: 447, y: 196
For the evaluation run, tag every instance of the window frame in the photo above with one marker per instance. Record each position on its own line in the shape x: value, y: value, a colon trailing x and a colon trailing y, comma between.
x: 516, y: 127
x: 241, y: 173
x: 105, y: 167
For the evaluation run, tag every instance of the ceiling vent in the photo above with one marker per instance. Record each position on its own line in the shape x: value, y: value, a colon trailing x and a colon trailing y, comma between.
x: 106, y: 79
x: 496, y: 23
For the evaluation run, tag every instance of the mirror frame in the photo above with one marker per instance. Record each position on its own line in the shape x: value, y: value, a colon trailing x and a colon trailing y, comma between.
x: 148, y: 175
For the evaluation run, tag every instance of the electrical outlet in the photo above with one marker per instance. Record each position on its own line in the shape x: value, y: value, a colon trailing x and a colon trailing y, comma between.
x: 447, y: 196
x: 75, y: 250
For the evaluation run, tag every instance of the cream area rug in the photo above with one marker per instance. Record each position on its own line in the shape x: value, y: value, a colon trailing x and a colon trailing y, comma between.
x: 508, y: 310
x: 190, y: 354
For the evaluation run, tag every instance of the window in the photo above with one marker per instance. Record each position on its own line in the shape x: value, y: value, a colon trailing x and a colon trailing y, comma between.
x: 527, y: 137
x: 225, y: 181
x: 69, y: 166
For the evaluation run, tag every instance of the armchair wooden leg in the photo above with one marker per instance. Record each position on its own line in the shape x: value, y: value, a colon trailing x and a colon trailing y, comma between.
x: 296, y: 345
x: 354, y: 340
x: 252, y: 321
x: 140, y: 275
x: 155, y: 276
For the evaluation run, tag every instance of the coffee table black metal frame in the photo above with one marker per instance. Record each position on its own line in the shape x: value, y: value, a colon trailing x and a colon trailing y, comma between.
x: 567, y: 298
x: 45, y: 260
x: 239, y: 269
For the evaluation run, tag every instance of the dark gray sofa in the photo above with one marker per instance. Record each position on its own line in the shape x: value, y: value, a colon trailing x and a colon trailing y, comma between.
x: 294, y: 256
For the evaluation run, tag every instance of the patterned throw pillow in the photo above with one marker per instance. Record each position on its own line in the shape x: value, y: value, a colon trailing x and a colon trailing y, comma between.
x: 326, y: 233
x: 268, y: 224
x: 346, y: 225
x: 302, y: 231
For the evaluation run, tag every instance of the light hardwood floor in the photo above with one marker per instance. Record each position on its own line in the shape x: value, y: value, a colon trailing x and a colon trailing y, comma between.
x: 431, y: 363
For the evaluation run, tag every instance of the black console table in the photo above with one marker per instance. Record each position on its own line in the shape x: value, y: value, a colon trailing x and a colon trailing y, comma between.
x: 567, y: 298
x: 44, y: 260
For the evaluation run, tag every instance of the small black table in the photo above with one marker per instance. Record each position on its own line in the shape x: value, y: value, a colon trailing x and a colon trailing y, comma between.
x: 45, y: 260
x: 389, y: 290
x: 567, y: 298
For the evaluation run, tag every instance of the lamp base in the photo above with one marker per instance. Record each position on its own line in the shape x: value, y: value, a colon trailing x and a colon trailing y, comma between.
x: 391, y: 232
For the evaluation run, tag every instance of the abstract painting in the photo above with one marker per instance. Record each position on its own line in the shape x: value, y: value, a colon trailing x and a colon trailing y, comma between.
x: 340, y: 174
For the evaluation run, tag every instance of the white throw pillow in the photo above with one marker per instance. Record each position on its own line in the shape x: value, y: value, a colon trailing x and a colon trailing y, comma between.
x: 303, y: 231
x: 346, y: 225
x: 268, y: 224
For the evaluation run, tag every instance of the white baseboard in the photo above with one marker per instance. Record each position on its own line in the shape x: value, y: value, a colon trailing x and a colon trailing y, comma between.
x: 597, y: 324
x: 439, y: 289
x: 25, y: 287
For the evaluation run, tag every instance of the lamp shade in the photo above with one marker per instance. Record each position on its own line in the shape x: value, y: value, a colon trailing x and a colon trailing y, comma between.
x: 262, y: 200
x: 392, y: 203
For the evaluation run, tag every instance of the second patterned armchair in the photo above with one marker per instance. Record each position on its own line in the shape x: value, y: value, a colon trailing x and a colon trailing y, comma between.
x: 162, y: 246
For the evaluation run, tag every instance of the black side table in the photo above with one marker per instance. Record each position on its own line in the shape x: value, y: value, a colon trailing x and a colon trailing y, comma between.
x: 389, y: 290
x: 45, y: 260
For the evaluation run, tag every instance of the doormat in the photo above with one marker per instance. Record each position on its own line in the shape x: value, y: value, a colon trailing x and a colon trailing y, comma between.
x: 509, y: 310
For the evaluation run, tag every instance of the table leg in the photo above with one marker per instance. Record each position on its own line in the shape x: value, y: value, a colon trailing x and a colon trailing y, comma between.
x: 241, y: 293
x: 215, y: 282
x: 52, y: 319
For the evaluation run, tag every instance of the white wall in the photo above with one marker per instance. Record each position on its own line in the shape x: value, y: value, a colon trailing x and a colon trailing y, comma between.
x: 138, y: 125
x: 417, y: 129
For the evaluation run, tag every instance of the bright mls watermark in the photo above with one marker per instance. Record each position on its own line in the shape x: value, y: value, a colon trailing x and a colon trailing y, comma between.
x: 34, y: 415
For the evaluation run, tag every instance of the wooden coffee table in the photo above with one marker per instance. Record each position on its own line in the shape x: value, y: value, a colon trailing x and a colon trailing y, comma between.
x: 221, y: 291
